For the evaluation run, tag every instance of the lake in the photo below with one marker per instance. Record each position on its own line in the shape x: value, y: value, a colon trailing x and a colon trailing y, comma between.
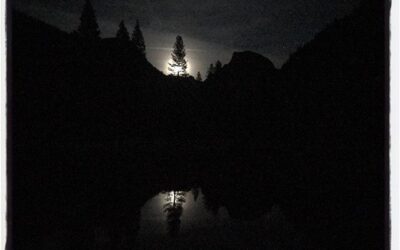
x: 186, y: 219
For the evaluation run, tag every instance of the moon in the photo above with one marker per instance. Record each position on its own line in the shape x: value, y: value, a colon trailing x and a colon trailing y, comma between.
x: 176, y: 69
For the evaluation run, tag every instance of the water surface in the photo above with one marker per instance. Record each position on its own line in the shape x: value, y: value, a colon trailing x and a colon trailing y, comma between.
x: 179, y: 219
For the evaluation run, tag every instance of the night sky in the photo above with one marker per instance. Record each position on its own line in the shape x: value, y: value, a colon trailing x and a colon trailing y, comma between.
x: 211, y: 29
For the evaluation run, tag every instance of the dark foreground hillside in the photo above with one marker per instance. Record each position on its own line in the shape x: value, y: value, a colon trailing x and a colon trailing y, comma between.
x: 336, y: 87
x: 96, y: 131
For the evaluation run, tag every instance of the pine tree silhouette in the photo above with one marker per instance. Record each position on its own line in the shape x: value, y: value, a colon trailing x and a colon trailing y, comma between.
x: 123, y: 32
x: 198, y: 77
x: 218, y: 67
x: 138, y: 39
x: 210, y: 71
x: 179, y: 65
x: 174, y: 209
x: 88, y: 28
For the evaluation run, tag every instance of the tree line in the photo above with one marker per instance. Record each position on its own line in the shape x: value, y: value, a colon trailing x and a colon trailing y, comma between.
x: 88, y: 30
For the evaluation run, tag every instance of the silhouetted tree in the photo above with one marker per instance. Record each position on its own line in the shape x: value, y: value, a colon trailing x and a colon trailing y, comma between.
x: 138, y: 39
x: 174, y: 209
x: 218, y: 67
x: 195, y: 192
x: 211, y: 203
x: 198, y: 77
x: 179, y: 65
x: 122, y: 32
x: 88, y: 28
x: 210, y: 71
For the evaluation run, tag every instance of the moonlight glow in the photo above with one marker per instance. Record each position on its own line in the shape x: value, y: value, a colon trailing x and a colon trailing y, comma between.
x: 177, y: 69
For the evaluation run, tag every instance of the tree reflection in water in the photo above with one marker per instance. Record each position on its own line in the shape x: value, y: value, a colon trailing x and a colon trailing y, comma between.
x: 173, y: 208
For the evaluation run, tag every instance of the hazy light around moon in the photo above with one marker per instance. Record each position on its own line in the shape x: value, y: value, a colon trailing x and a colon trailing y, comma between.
x: 172, y: 194
x: 176, y: 69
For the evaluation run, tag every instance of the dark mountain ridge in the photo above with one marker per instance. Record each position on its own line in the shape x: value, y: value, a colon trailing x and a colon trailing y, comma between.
x: 252, y: 60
